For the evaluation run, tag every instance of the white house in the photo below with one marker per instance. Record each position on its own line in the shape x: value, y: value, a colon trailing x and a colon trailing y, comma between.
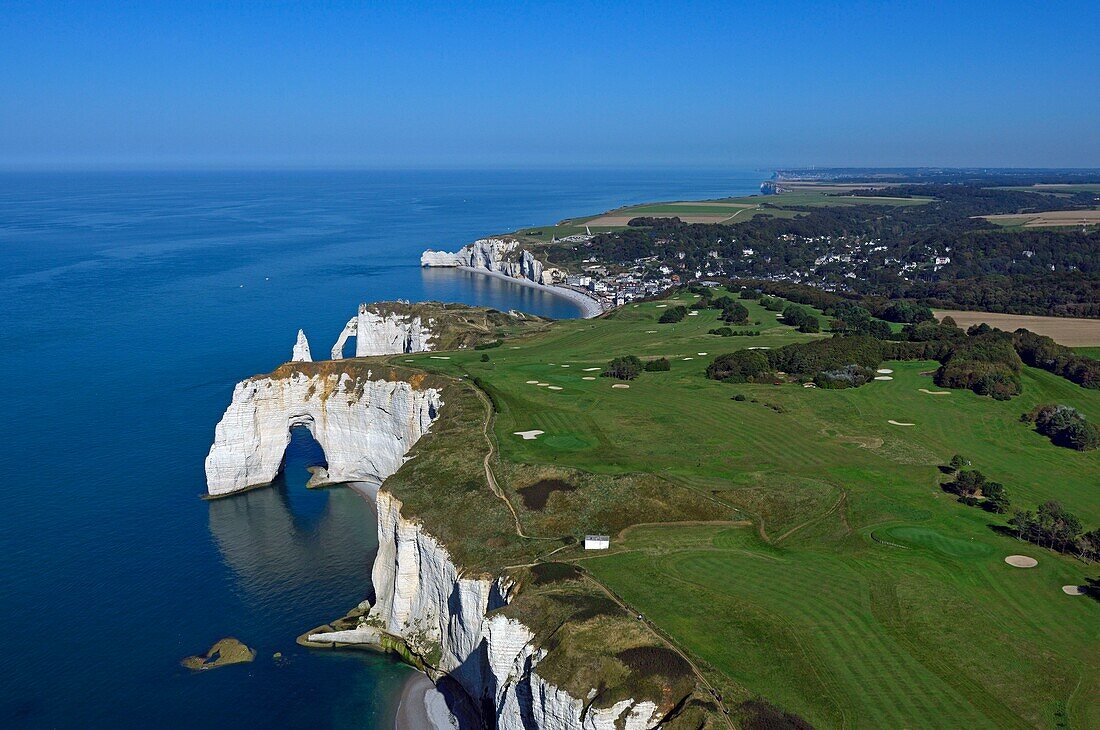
x: 597, y: 542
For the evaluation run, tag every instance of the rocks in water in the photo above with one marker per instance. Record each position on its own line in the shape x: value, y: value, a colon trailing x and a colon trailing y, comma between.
x: 225, y: 652
x: 301, y: 349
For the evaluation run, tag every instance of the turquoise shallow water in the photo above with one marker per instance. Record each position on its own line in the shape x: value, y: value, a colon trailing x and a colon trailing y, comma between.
x: 129, y: 306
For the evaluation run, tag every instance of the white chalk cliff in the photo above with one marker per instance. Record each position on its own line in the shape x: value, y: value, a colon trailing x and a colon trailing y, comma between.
x: 497, y: 255
x: 301, y: 349
x: 421, y: 598
x: 365, y: 428
x: 378, y: 333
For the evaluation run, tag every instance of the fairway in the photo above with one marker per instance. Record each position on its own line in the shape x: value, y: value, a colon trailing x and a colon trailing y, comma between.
x: 831, y: 574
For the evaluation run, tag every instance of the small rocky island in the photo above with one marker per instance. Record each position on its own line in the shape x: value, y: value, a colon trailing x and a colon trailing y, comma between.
x: 223, y: 653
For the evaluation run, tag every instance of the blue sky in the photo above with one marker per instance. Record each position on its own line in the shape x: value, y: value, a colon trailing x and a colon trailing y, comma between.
x: 506, y: 84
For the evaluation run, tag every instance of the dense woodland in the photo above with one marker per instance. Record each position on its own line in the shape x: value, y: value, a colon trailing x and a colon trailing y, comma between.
x: 889, y: 251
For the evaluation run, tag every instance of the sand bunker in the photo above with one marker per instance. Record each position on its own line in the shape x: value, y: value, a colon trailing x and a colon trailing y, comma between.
x: 884, y: 371
x: 661, y: 306
x: 809, y: 385
x: 689, y: 358
x: 529, y: 435
x: 565, y: 366
x: 693, y: 314
x: 620, y: 385
x: 591, y: 370
x: 899, y: 423
x: 440, y: 357
x: 554, y: 387
x: 758, y: 348
x: 700, y: 353
x: 542, y: 385
x: 1073, y: 590
x: 883, y: 377
x: 587, y: 377
x: 934, y: 392
x: 532, y: 382
x: 1021, y: 561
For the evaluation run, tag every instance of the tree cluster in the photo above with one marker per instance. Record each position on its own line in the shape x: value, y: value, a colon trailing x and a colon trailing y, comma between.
x: 973, y: 488
x: 659, y: 365
x: 800, y: 317
x: 1055, y: 528
x: 1065, y: 426
x: 625, y: 367
x: 673, y: 315
x: 1043, y: 352
x: 985, y: 362
x: 742, y: 366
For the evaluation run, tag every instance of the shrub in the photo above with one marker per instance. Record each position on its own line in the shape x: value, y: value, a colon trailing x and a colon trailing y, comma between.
x: 723, y: 331
x: 738, y: 367
x: 626, y: 367
x: 485, y: 358
x: 661, y: 364
x: 489, y: 345
x: 740, y: 397
x: 673, y: 315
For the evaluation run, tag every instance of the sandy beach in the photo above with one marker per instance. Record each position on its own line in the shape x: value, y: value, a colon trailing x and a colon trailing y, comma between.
x: 422, y: 707
x: 590, y: 306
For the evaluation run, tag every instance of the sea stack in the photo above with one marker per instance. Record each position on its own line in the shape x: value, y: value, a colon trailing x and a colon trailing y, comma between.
x: 301, y: 349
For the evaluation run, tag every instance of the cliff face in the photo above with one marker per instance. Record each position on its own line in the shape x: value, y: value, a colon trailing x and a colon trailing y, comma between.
x: 383, y: 333
x: 364, y: 426
x: 495, y: 254
x: 449, y: 622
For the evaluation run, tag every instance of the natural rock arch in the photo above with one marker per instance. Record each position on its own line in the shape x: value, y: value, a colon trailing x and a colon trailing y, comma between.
x: 365, y: 427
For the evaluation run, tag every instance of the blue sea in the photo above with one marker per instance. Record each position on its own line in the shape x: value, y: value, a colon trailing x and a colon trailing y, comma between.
x: 130, y: 304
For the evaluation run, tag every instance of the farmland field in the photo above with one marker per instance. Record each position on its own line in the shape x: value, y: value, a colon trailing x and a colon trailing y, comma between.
x: 1068, y: 331
x: 832, y: 576
x: 726, y: 210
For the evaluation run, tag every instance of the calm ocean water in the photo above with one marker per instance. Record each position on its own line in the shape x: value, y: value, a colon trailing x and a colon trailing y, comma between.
x: 129, y: 306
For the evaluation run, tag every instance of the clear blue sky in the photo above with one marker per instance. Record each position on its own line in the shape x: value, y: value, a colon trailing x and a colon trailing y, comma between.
x: 762, y: 83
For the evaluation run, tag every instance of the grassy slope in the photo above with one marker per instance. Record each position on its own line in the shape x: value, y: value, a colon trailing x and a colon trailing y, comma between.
x: 804, y: 607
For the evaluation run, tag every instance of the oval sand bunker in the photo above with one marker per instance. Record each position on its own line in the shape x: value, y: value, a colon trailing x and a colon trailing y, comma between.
x: 883, y: 377
x: 1073, y: 590
x: 587, y: 377
x: 1021, y: 561
x: 884, y: 371
x: 529, y: 435
x: 620, y: 385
